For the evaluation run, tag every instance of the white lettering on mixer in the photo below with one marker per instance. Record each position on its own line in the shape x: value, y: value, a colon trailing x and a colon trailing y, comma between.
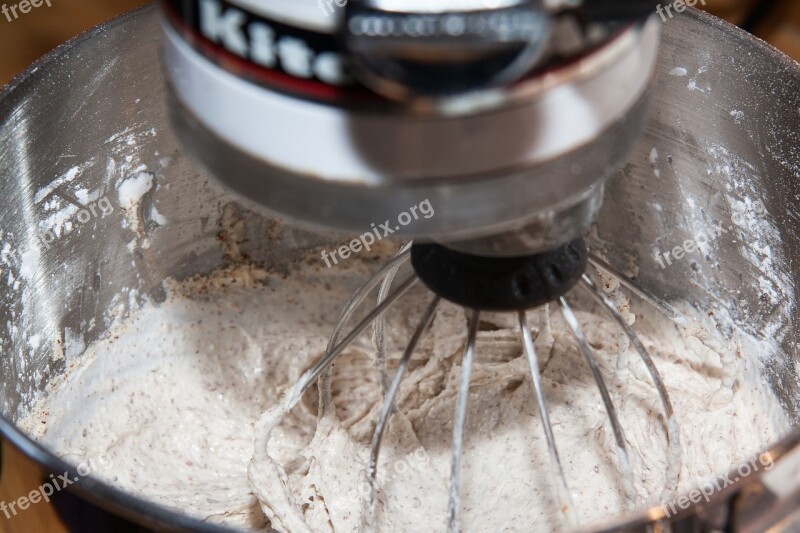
x: 378, y: 232
x: 258, y: 42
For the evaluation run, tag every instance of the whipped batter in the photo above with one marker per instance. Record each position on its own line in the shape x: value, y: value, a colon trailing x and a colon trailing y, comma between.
x: 180, y: 397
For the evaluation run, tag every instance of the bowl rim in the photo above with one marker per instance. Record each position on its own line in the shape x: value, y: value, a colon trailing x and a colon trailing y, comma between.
x: 151, y: 514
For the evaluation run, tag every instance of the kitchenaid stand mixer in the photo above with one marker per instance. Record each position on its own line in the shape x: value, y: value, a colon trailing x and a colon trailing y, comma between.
x: 117, y: 84
x: 507, y: 118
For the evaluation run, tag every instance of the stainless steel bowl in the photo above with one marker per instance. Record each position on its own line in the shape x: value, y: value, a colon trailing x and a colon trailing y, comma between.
x: 725, y: 126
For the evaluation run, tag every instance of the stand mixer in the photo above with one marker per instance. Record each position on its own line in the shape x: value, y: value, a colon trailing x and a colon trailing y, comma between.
x: 514, y: 183
x: 508, y: 117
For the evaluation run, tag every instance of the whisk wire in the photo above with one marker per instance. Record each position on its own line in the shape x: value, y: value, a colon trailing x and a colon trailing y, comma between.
x: 619, y: 435
x: 352, y: 305
x: 388, y: 408
x: 378, y: 337
x: 565, y: 499
x: 454, y: 503
x: 308, y: 378
x: 662, y: 306
x: 673, y: 431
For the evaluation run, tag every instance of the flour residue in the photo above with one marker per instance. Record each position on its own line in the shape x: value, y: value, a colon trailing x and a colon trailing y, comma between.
x: 195, y: 374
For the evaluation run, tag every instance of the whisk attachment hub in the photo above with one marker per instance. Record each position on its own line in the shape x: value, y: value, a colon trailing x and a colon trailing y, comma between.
x: 500, y: 283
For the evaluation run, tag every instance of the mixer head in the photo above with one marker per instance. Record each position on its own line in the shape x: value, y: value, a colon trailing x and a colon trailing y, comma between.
x: 507, y: 117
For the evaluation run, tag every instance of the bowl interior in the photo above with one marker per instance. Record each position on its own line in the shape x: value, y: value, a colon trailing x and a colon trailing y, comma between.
x: 86, y: 130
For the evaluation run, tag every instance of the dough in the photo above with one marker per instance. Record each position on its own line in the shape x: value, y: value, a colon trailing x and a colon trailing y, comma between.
x: 180, y: 398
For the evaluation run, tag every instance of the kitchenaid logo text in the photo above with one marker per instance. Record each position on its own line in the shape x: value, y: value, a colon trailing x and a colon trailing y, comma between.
x: 24, y: 7
x: 378, y: 232
x: 252, y: 38
x: 56, y: 484
x: 705, y: 492
x: 678, y: 5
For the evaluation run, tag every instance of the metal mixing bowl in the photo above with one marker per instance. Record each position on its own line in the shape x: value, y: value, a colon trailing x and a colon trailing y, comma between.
x: 725, y: 128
